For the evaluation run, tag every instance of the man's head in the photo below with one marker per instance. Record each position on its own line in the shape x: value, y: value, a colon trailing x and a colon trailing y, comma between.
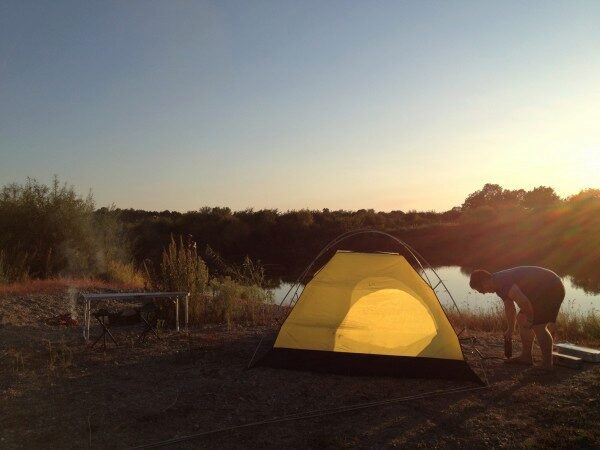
x: 482, y: 281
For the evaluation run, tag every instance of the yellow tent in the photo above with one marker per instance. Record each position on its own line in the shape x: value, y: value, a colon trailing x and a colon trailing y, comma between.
x: 369, y: 313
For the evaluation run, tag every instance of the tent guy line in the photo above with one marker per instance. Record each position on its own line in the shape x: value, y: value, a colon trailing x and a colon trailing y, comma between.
x: 314, y: 414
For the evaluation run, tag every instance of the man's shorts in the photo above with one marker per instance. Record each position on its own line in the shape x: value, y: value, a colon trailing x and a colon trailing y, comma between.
x: 547, y: 304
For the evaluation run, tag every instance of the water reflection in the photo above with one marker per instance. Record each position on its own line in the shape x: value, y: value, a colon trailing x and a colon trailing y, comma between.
x: 457, y: 281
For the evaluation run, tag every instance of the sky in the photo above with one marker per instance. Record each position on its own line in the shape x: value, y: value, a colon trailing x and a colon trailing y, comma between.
x: 340, y: 104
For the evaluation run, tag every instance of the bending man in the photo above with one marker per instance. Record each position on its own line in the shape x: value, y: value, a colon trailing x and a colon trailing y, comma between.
x: 538, y: 293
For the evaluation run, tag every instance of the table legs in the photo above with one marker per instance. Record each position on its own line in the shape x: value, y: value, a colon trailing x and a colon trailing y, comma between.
x: 187, y: 305
x: 177, y: 314
x: 87, y: 313
x: 87, y: 316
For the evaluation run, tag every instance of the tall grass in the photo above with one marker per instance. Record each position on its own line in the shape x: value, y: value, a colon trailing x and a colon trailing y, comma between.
x: 181, y: 269
x: 249, y: 273
x: 124, y: 273
x: 232, y: 302
x: 480, y: 319
x: 13, y: 269
x: 578, y: 327
x: 571, y: 325
x: 237, y: 298
x: 60, y: 285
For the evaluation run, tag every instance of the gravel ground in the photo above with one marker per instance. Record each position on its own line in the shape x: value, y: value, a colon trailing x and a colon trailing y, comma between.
x: 57, y: 393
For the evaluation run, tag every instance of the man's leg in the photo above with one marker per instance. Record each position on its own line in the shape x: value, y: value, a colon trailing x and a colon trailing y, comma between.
x: 544, y: 339
x: 527, y: 344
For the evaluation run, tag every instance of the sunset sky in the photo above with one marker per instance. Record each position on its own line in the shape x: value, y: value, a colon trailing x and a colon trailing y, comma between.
x: 338, y: 104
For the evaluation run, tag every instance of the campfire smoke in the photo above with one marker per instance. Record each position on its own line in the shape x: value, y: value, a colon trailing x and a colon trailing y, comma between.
x: 72, y: 297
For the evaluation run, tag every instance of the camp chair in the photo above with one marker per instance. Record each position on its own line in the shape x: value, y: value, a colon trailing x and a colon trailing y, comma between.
x: 149, y: 315
x: 101, y: 316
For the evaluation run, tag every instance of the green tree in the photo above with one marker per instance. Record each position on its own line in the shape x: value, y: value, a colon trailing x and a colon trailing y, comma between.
x: 51, y: 230
x: 540, y: 197
x: 491, y: 193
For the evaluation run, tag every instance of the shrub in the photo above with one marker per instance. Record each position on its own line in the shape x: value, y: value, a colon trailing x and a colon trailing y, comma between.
x: 232, y: 302
x: 181, y: 269
x: 249, y: 273
x: 571, y: 325
x: 574, y: 326
x: 48, y: 231
x: 489, y: 319
x: 225, y: 294
x: 123, y: 273
x: 16, y: 270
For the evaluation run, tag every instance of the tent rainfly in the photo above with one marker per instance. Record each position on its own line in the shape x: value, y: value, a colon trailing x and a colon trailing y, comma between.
x: 369, y: 314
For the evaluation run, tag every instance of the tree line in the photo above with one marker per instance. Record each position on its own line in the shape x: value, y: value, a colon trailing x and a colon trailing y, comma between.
x: 47, y: 231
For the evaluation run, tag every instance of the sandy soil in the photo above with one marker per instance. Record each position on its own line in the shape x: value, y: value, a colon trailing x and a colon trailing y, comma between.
x: 57, y: 393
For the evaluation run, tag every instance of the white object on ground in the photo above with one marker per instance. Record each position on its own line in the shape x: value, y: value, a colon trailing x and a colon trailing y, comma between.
x: 568, y: 361
x: 585, y: 353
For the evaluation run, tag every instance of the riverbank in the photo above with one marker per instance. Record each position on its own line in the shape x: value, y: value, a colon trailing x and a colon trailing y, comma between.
x: 56, y: 392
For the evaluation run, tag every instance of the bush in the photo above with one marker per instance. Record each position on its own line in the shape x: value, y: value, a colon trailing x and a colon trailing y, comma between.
x: 15, y: 270
x: 48, y: 231
x: 233, y: 302
x: 225, y: 294
x: 228, y: 299
x: 124, y: 273
x: 574, y: 326
x: 181, y: 269
x: 571, y: 325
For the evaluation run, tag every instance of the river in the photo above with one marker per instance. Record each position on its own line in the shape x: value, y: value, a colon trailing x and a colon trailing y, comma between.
x: 576, y: 299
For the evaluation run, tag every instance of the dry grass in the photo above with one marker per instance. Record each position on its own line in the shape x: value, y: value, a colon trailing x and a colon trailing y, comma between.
x: 13, y: 359
x: 576, y: 327
x: 181, y: 269
x: 60, y: 355
x: 59, y: 285
x: 478, y: 319
x: 572, y: 325
x: 230, y: 306
x: 196, y: 382
x: 124, y: 273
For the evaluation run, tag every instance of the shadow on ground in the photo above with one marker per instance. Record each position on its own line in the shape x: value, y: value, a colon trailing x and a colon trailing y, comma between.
x: 57, y: 392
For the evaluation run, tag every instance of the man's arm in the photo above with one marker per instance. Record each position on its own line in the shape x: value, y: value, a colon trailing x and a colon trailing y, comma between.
x: 511, y: 317
x: 515, y: 294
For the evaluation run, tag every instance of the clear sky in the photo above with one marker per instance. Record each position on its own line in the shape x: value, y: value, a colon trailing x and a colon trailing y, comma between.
x: 337, y: 104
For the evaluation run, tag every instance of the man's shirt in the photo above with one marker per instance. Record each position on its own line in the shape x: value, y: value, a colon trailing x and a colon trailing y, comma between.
x: 535, y: 282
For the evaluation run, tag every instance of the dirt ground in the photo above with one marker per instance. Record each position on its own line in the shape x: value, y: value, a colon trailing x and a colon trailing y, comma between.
x: 57, y: 393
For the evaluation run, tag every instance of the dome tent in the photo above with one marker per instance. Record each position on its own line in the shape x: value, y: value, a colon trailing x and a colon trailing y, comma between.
x: 369, y: 314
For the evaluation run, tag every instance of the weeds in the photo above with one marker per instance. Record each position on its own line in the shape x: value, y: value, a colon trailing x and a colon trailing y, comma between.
x: 249, y: 273
x: 124, y: 273
x: 479, y: 319
x: 60, y: 356
x: 234, y: 298
x: 181, y: 269
x: 14, y: 357
x: 232, y: 302
x: 58, y: 286
x: 572, y: 325
x: 13, y: 269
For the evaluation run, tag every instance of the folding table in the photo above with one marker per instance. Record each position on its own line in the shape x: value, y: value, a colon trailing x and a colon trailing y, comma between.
x: 139, y: 297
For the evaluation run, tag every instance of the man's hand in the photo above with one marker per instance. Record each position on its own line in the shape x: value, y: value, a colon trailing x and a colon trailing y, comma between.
x: 511, y: 313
